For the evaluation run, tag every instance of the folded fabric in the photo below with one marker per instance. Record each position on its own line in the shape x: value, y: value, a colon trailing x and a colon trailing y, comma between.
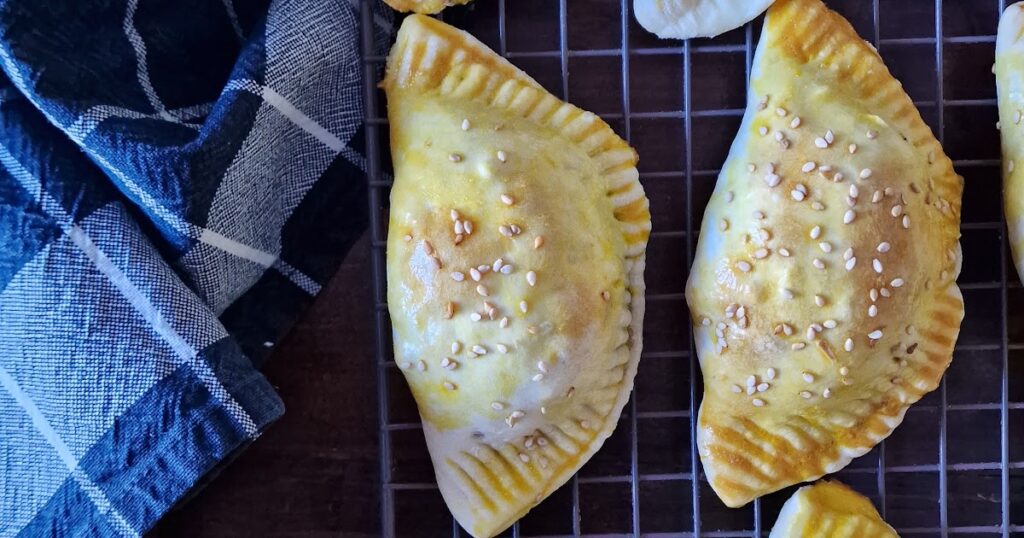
x: 177, y: 179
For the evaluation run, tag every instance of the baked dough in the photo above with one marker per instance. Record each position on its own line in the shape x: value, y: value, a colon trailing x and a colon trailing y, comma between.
x: 829, y: 509
x: 423, y: 6
x: 684, y: 19
x: 824, y: 289
x: 1010, y: 85
x: 515, y: 272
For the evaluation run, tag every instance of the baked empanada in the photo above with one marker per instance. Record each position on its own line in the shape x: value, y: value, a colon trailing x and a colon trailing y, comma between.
x: 823, y: 292
x: 1010, y: 85
x: 684, y: 19
x: 423, y: 6
x: 515, y: 272
x: 829, y: 509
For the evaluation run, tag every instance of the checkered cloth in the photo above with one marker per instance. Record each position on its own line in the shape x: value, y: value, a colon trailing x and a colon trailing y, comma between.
x: 177, y: 179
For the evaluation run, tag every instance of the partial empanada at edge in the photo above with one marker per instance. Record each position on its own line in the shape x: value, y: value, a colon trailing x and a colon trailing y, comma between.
x: 516, y: 251
x: 823, y: 290
x: 828, y: 509
x: 1010, y: 86
x: 423, y: 6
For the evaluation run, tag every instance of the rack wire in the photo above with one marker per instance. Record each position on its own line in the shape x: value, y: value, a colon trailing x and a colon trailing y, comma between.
x: 955, y: 466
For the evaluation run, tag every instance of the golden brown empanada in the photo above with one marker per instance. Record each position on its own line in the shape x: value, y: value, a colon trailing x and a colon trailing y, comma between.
x: 1010, y: 85
x: 823, y: 291
x: 685, y: 19
x: 515, y: 272
x: 828, y: 509
x: 423, y: 6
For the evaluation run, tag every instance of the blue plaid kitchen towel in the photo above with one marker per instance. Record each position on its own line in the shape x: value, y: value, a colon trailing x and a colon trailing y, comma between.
x: 177, y: 179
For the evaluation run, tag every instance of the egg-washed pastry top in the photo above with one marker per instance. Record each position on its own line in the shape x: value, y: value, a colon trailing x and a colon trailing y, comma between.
x: 1010, y: 85
x: 823, y: 292
x: 685, y: 19
x: 829, y: 509
x: 423, y: 6
x: 515, y: 272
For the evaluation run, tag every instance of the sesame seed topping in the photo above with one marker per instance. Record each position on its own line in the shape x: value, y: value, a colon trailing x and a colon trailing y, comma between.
x: 475, y: 316
x: 849, y: 216
x: 459, y: 227
x: 758, y: 215
x: 811, y: 333
x: 797, y: 195
x: 751, y: 167
x: 584, y: 424
x: 873, y: 294
x: 479, y: 350
x: 827, y: 393
x: 729, y: 196
x: 784, y: 252
x: 817, y: 206
x: 848, y: 254
x: 421, y: 366
x: 787, y: 329
x: 854, y: 191
x: 897, y: 283
x: 872, y: 135
x: 830, y: 136
x: 906, y: 222
x: 752, y: 381
x: 456, y: 347
x: 786, y: 293
x: 1017, y: 117
x: 805, y: 394
x: 482, y: 290
x: 531, y: 278
x: 468, y: 225
x: 763, y: 130
x: 737, y: 389
x: 825, y: 246
x: 724, y: 225
x: 606, y: 296
x: 465, y: 125
x: 820, y: 142
x: 449, y: 385
x: 884, y: 247
x: 458, y: 276
x: 795, y: 123
x: 781, y: 112
x: 876, y: 197
x: 501, y: 347
x: 760, y: 253
x: 779, y: 136
x: 851, y: 263
x: 818, y: 263
x: 872, y: 311
x: 743, y: 266
x: 897, y: 210
x: 446, y: 362
x: 502, y: 156
x: 455, y: 158
x: 406, y: 365
x: 538, y: 242
x: 504, y: 322
x: 875, y: 335
x: 809, y: 166
x: 524, y: 458
x: 496, y: 266
x: 523, y: 307
x: 816, y: 232
x: 819, y: 300
x: 808, y: 377
x: 506, y: 269
x: 798, y: 346
x: 772, y: 180
x: 848, y: 345
x: 830, y: 323
x: 542, y: 367
x: 865, y: 173
x: 885, y: 292
x: 507, y: 200
x: 853, y: 149
x: 407, y: 238
x: 877, y: 265
x: 474, y: 273
x: 844, y: 371
x: 758, y: 402
x: 505, y: 230
x: 770, y: 374
x: 763, y: 387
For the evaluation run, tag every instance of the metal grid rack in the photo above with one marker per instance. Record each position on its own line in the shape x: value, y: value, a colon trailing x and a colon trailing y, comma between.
x: 955, y: 466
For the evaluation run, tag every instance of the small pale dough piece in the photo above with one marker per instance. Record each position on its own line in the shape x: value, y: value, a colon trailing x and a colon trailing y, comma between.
x: 824, y: 289
x: 423, y: 6
x: 828, y: 509
x: 1010, y: 85
x: 515, y: 272
x: 685, y: 19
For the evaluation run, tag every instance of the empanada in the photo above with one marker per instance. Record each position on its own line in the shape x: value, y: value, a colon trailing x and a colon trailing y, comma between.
x: 423, y: 6
x: 823, y: 292
x: 829, y: 509
x: 1010, y: 85
x: 515, y: 272
x: 685, y: 19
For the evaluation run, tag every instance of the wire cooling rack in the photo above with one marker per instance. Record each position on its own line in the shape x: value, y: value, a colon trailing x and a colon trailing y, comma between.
x: 955, y: 466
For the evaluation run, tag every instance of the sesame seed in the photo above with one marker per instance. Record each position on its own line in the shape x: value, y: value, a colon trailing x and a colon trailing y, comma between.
x: 524, y: 458
x: 758, y: 215
x: 445, y: 362
x: 449, y: 310
x: 873, y: 294
x: 504, y: 322
x: 506, y: 269
x: 505, y: 230
x: 884, y: 247
x: 825, y: 246
x: 897, y: 210
x: 1016, y: 117
x: 805, y: 395
x: 751, y: 167
x: 465, y: 125
x: 456, y: 347
x: 772, y: 180
x: 763, y: 387
x: 584, y: 424
x: 737, y: 389
x: 507, y: 200
x: 798, y: 346
x: 830, y: 137
x: 809, y: 166
x: 872, y: 311
x: 496, y: 266
x: 523, y: 307
x: 763, y: 130
x: 743, y: 266
x: 848, y: 254
x: 865, y: 173
x: 872, y: 135
x: 407, y: 238
x: 877, y: 265
x: 787, y: 329
x: 811, y: 333
x: 468, y: 225
x: 474, y: 273
x: 770, y: 374
x: 724, y: 225
x: 761, y: 253
x: 819, y: 300
x: 455, y: 158
x: 779, y: 136
x: 800, y: 187
x: 449, y: 385
x: 482, y: 290
x: 897, y: 283
x: 502, y: 156
x: 517, y: 414
x: 797, y: 195
x: 808, y: 377
x: 818, y: 263
x: 751, y: 381
x: 729, y: 196
x: 848, y: 345
x: 817, y: 206
x: 876, y: 197
x: 459, y: 227
x: 816, y: 232
x: 784, y: 252
x: 475, y: 316
x: 851, y: 263
x: 854, y: 191
x: 827, y: 393
x: 479, y: 350
x: 531, y: 278
x: 458, y: 276
x: 515, y: 229
x: 786, y: 293
x: 421, y: 366
x: 853, y: 149
x: 830, y: 323
x: 795, y: 123
x: 849, y: 216
x: 758, y: 402
x: 542, y: 367
x: 781, y: 112
x: 875, y: 335
x: 844, y: 371
x: 406, y: 365
x: 820, y: 142
x: 906, y: 222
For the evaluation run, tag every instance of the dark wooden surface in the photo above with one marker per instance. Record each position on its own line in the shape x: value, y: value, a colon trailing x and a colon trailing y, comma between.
x: 314, y: 472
